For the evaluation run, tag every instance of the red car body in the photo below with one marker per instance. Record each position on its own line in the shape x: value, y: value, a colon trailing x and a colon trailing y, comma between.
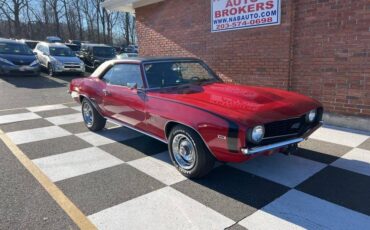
x: 222, y: 114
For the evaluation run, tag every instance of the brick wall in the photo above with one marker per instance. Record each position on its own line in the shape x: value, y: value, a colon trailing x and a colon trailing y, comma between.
x: 329, y: 40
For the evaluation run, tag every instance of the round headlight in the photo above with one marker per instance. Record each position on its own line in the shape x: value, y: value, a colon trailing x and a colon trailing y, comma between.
x: 311, y: 116
x: 257, y: 134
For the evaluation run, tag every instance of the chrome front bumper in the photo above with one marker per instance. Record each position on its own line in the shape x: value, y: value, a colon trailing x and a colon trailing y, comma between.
x: 261, y: 149
x: 265, y: 148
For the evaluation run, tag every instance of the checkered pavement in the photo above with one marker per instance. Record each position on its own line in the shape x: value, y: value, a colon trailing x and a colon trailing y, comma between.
x: 122, y: 179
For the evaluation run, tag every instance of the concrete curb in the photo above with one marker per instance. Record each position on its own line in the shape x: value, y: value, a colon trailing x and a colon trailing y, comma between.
x: 349, y: 122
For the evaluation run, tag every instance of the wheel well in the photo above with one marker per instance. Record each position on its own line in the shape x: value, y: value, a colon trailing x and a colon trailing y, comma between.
x: 81, y: 98
x: 169, y: 127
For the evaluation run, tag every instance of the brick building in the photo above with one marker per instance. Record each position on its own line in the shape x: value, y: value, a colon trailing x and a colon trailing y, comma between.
x: 320, y: 48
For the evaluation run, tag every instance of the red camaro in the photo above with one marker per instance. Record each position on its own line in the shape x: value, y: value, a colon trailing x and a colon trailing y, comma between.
x: 183, y: 103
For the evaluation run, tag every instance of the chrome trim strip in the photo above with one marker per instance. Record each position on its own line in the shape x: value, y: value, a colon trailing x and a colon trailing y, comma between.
x: 135, y: 129
x: 255, y: 150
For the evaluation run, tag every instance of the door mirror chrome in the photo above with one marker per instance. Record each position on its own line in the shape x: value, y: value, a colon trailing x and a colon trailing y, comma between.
x: 132, y: 85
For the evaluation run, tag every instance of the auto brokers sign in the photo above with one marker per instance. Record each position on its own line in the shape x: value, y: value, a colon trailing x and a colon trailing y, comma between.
x: 244, y: 14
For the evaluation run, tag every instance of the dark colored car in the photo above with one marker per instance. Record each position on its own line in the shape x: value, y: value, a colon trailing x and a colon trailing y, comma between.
x: 75, y: 48
x: 31, y: 43
x: 183, y: 103
x: 93, y: 55
x: 76, y: 42
x: 54, y: 39
x: 130, y: 49
x: 16, y: 58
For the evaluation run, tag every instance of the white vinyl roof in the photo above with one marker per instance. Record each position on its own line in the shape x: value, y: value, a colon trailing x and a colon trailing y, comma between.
x: 126, y: 5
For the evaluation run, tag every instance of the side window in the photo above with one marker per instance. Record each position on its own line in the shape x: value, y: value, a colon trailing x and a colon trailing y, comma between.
x: 47, y: 50
x: 123, y: 75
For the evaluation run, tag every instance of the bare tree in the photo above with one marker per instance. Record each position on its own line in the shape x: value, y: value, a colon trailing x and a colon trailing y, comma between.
x: 12, y: 10
x: 82, y: 19
x: 56, y: 9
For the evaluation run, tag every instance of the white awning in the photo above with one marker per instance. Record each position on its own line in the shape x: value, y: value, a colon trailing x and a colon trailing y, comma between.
x: 126, y: 5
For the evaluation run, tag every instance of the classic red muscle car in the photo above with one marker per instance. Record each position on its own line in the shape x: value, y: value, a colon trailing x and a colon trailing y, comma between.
x: 183, y: 103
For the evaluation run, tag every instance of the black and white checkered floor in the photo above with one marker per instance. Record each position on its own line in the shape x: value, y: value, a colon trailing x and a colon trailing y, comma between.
x: 121, y: 179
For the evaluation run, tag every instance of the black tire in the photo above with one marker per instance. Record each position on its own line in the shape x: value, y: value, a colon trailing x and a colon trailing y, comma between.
x: 98, y: 122
x: 203, y: 159
x: 51, y: 70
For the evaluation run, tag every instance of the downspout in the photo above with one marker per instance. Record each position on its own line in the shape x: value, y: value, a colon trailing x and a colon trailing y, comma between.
x: 291, y: 44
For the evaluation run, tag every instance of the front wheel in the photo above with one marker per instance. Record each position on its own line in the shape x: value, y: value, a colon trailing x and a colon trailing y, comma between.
x: 92, y: 119
x: 188, y: 152
x: 51, y: 70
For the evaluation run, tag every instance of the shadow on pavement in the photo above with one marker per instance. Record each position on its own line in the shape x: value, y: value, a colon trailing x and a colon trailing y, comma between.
x: 39, y: 82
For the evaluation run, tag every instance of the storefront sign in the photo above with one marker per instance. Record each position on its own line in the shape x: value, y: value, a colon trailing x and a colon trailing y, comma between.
x: 244, y: 14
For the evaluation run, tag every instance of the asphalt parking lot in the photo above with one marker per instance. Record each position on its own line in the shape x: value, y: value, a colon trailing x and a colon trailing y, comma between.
x: 55, y: 174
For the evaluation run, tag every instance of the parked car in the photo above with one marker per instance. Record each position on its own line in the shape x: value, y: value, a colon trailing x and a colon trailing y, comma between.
x: 31, y: 43
x: 131, y: 49
x: 16, y: 58
x: 76, y: 42
x: 94, y: 55
x: 183, y: 103
x: 54, y: 39
x: 58, y: 58
x: 126, y: 55
x: 75, y: 48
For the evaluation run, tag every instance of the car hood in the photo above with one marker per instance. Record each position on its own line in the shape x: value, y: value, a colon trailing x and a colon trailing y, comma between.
x: 246, y: 104
x: 68, y: 59
x: 19, y: 59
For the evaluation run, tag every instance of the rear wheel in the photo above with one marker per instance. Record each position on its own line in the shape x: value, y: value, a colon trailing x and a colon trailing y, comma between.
x: 188, y: 152
x: 92, y: 119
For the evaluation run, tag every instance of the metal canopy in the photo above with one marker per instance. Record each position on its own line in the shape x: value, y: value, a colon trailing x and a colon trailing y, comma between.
x: 127, y: 5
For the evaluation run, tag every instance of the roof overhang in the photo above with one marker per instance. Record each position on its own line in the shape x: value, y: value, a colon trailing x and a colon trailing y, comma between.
x: 127, y: 5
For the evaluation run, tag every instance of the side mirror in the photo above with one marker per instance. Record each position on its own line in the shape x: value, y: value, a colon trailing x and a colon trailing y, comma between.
x: 132, y: 85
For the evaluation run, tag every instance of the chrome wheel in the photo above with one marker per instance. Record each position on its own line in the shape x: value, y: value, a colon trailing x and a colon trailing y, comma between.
x: 183, y: 151
x: 88, y: 114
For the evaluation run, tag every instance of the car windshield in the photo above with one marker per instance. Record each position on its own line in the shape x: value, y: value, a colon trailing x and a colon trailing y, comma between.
x: 61, y: 52
x: 14, y: 48
x: 108, y: 52
x: 165, y: 74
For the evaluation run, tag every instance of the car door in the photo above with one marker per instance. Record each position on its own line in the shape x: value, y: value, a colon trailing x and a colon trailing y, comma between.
x: 43, y: 55
x: 38, y: 51
x: 124, y: 99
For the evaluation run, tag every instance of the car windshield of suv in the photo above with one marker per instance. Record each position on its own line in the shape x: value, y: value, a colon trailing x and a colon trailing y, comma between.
x: 108, y: 52
x: 165, y: 74
x: 14, y: 48
x: 61, y: 52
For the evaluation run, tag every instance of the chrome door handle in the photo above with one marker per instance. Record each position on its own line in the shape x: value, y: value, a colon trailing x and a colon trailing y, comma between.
x: 106, y: 92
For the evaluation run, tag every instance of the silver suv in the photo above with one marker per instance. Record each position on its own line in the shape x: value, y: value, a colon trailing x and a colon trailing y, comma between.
x: 58, y: 58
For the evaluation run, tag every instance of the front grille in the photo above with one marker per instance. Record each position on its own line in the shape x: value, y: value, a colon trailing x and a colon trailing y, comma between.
x: 71, y: 67
x: 22, y: 63
x: 278, y: 131
x: 285, y: 127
